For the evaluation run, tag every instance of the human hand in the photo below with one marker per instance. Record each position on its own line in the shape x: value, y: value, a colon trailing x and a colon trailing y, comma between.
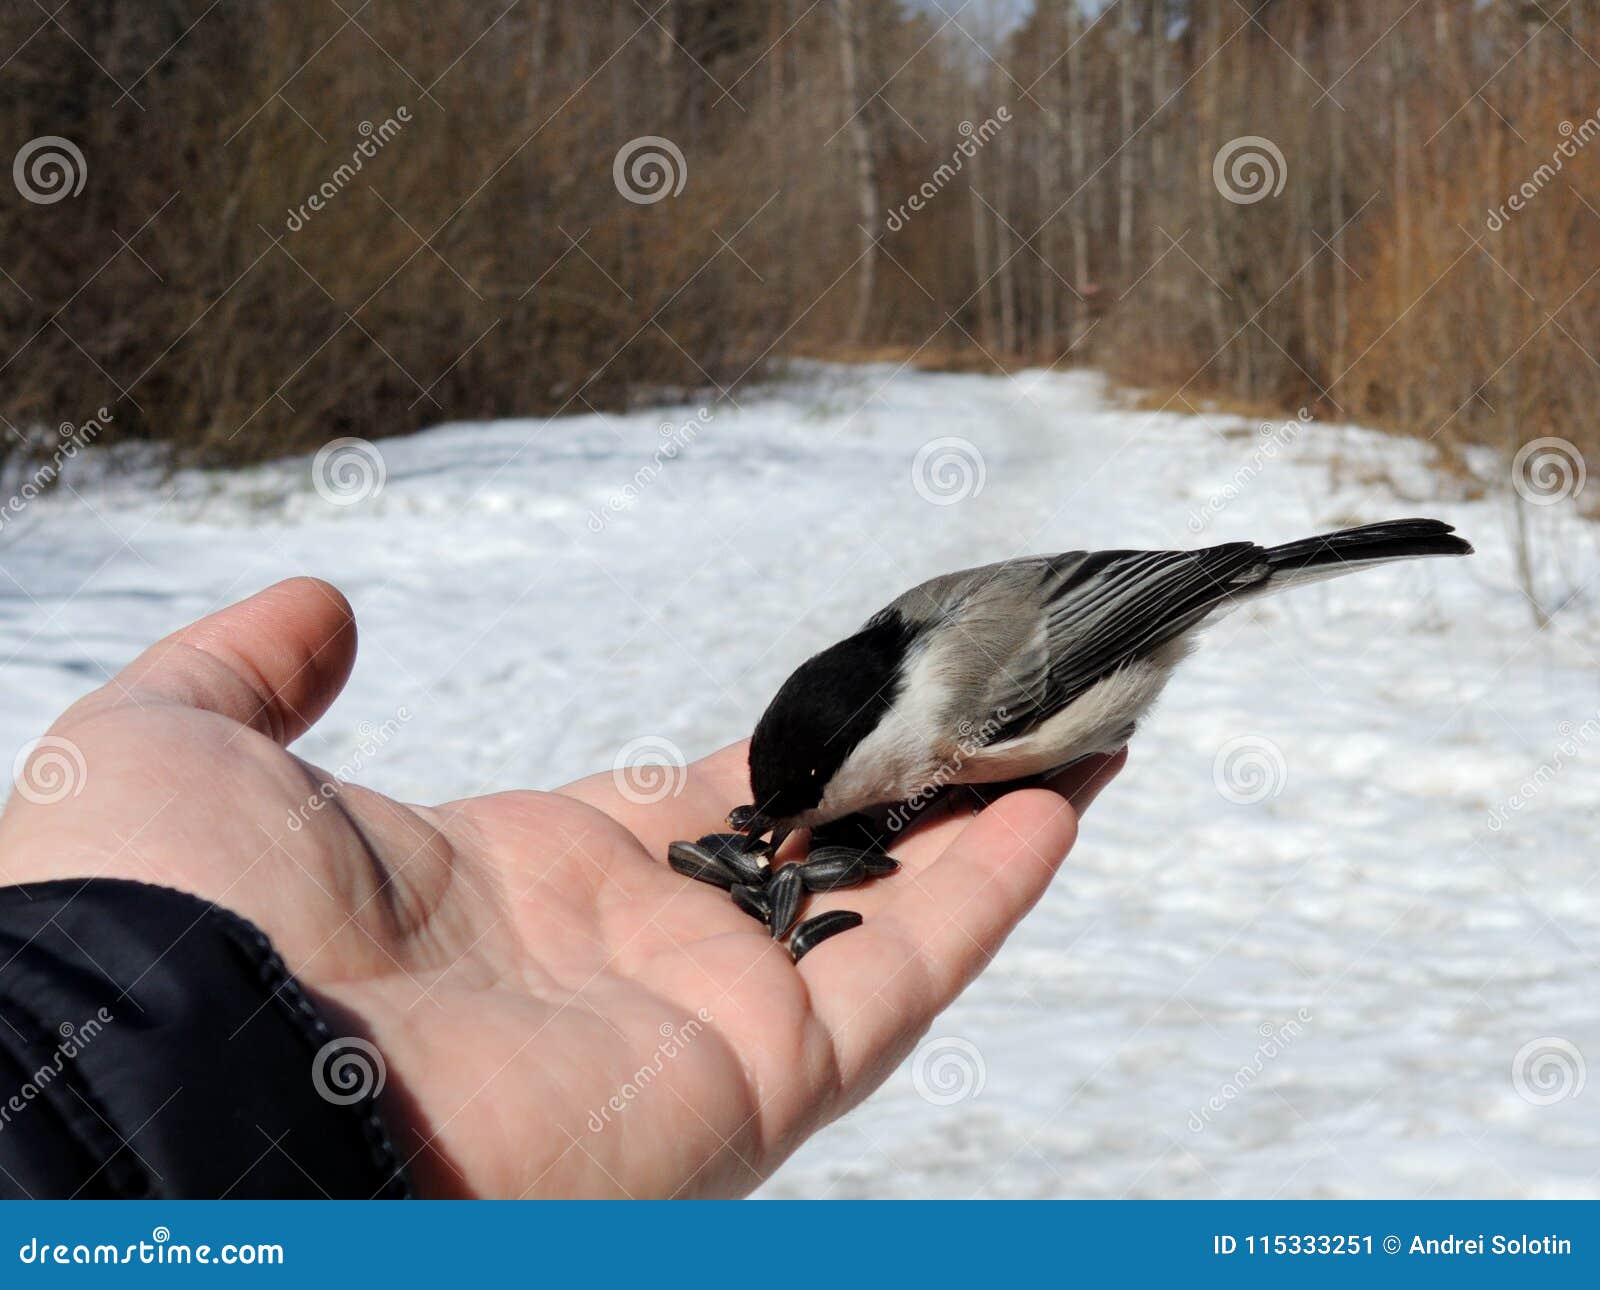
x: 519, y: 959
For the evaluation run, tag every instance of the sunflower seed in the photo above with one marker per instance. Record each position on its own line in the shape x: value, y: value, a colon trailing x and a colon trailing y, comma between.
x: 753, y: 900
x: 814, y: 931
x: 732, y: 850
x: 878, y: 864
x: 833, y: 869
x: 696, y: 862
x: 785, y: 890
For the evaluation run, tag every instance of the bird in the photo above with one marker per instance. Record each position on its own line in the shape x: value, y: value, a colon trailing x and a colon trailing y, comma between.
x: 1014, y: 670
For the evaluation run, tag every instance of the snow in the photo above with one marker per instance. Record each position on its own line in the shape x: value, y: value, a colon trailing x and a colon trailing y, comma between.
x: 1369, y: 933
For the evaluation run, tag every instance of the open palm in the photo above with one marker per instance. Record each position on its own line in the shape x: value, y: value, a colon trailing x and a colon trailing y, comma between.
x: 557, y: 1012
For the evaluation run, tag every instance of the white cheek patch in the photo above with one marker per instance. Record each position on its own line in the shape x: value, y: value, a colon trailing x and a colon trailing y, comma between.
x: 899, y: 756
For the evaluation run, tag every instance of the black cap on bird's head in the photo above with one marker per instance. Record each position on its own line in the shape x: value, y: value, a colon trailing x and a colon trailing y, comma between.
x: 830, y: 704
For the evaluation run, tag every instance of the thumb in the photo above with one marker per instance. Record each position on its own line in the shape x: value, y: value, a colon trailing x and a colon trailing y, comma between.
x: 274, y: 662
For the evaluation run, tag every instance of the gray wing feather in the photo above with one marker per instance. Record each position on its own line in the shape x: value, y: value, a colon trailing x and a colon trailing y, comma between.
x: 1040, y: 631
x: 938, y: 599
x: 1053, y: 627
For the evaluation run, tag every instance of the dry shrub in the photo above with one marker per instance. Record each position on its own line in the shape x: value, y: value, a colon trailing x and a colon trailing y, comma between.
x: 483, y: 262
x: 472, y: 256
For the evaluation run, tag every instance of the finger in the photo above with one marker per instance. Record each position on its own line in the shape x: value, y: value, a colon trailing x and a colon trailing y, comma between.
x: 1080, y: 784
x: 927, y: 837
x: 661, y: 804
x: 882, y: 984
x: 960, y: 908
x: 722, y: 780
x: 274, y: 662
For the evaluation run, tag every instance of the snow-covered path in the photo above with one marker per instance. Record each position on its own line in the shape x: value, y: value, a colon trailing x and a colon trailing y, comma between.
x: 1322, y: 992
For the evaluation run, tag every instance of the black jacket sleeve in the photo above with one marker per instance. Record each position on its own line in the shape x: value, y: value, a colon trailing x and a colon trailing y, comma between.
x: 154, y: 1045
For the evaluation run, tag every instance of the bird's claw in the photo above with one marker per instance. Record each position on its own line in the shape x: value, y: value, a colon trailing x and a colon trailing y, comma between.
x: 752, y: 825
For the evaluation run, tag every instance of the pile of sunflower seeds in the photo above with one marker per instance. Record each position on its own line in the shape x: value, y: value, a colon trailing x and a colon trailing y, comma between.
x: 773, y: 894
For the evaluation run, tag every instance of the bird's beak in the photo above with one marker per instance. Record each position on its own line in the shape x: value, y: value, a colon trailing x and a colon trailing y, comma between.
x: 759, y: 824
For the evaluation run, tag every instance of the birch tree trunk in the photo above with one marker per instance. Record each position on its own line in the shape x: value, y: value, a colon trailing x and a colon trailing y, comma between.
x: 1051, y: 174
x: 977, y: 170
x: 1158, y: 96
x: 1126, y: 38
x: 1006, y: 251
x: 1336, y: 165
x: 1212, y: 132
x: 1078, y: 147
x: 1400, y: 138
x: 866, y: 147
x: 1305, y: 194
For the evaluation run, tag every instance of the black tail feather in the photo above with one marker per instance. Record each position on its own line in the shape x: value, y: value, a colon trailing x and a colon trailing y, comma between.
x: 1390, y: 540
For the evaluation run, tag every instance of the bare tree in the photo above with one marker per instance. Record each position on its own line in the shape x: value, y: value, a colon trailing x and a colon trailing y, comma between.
x: 867, y: 149
x: 1077, y: 123
x: 1126, y: 37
